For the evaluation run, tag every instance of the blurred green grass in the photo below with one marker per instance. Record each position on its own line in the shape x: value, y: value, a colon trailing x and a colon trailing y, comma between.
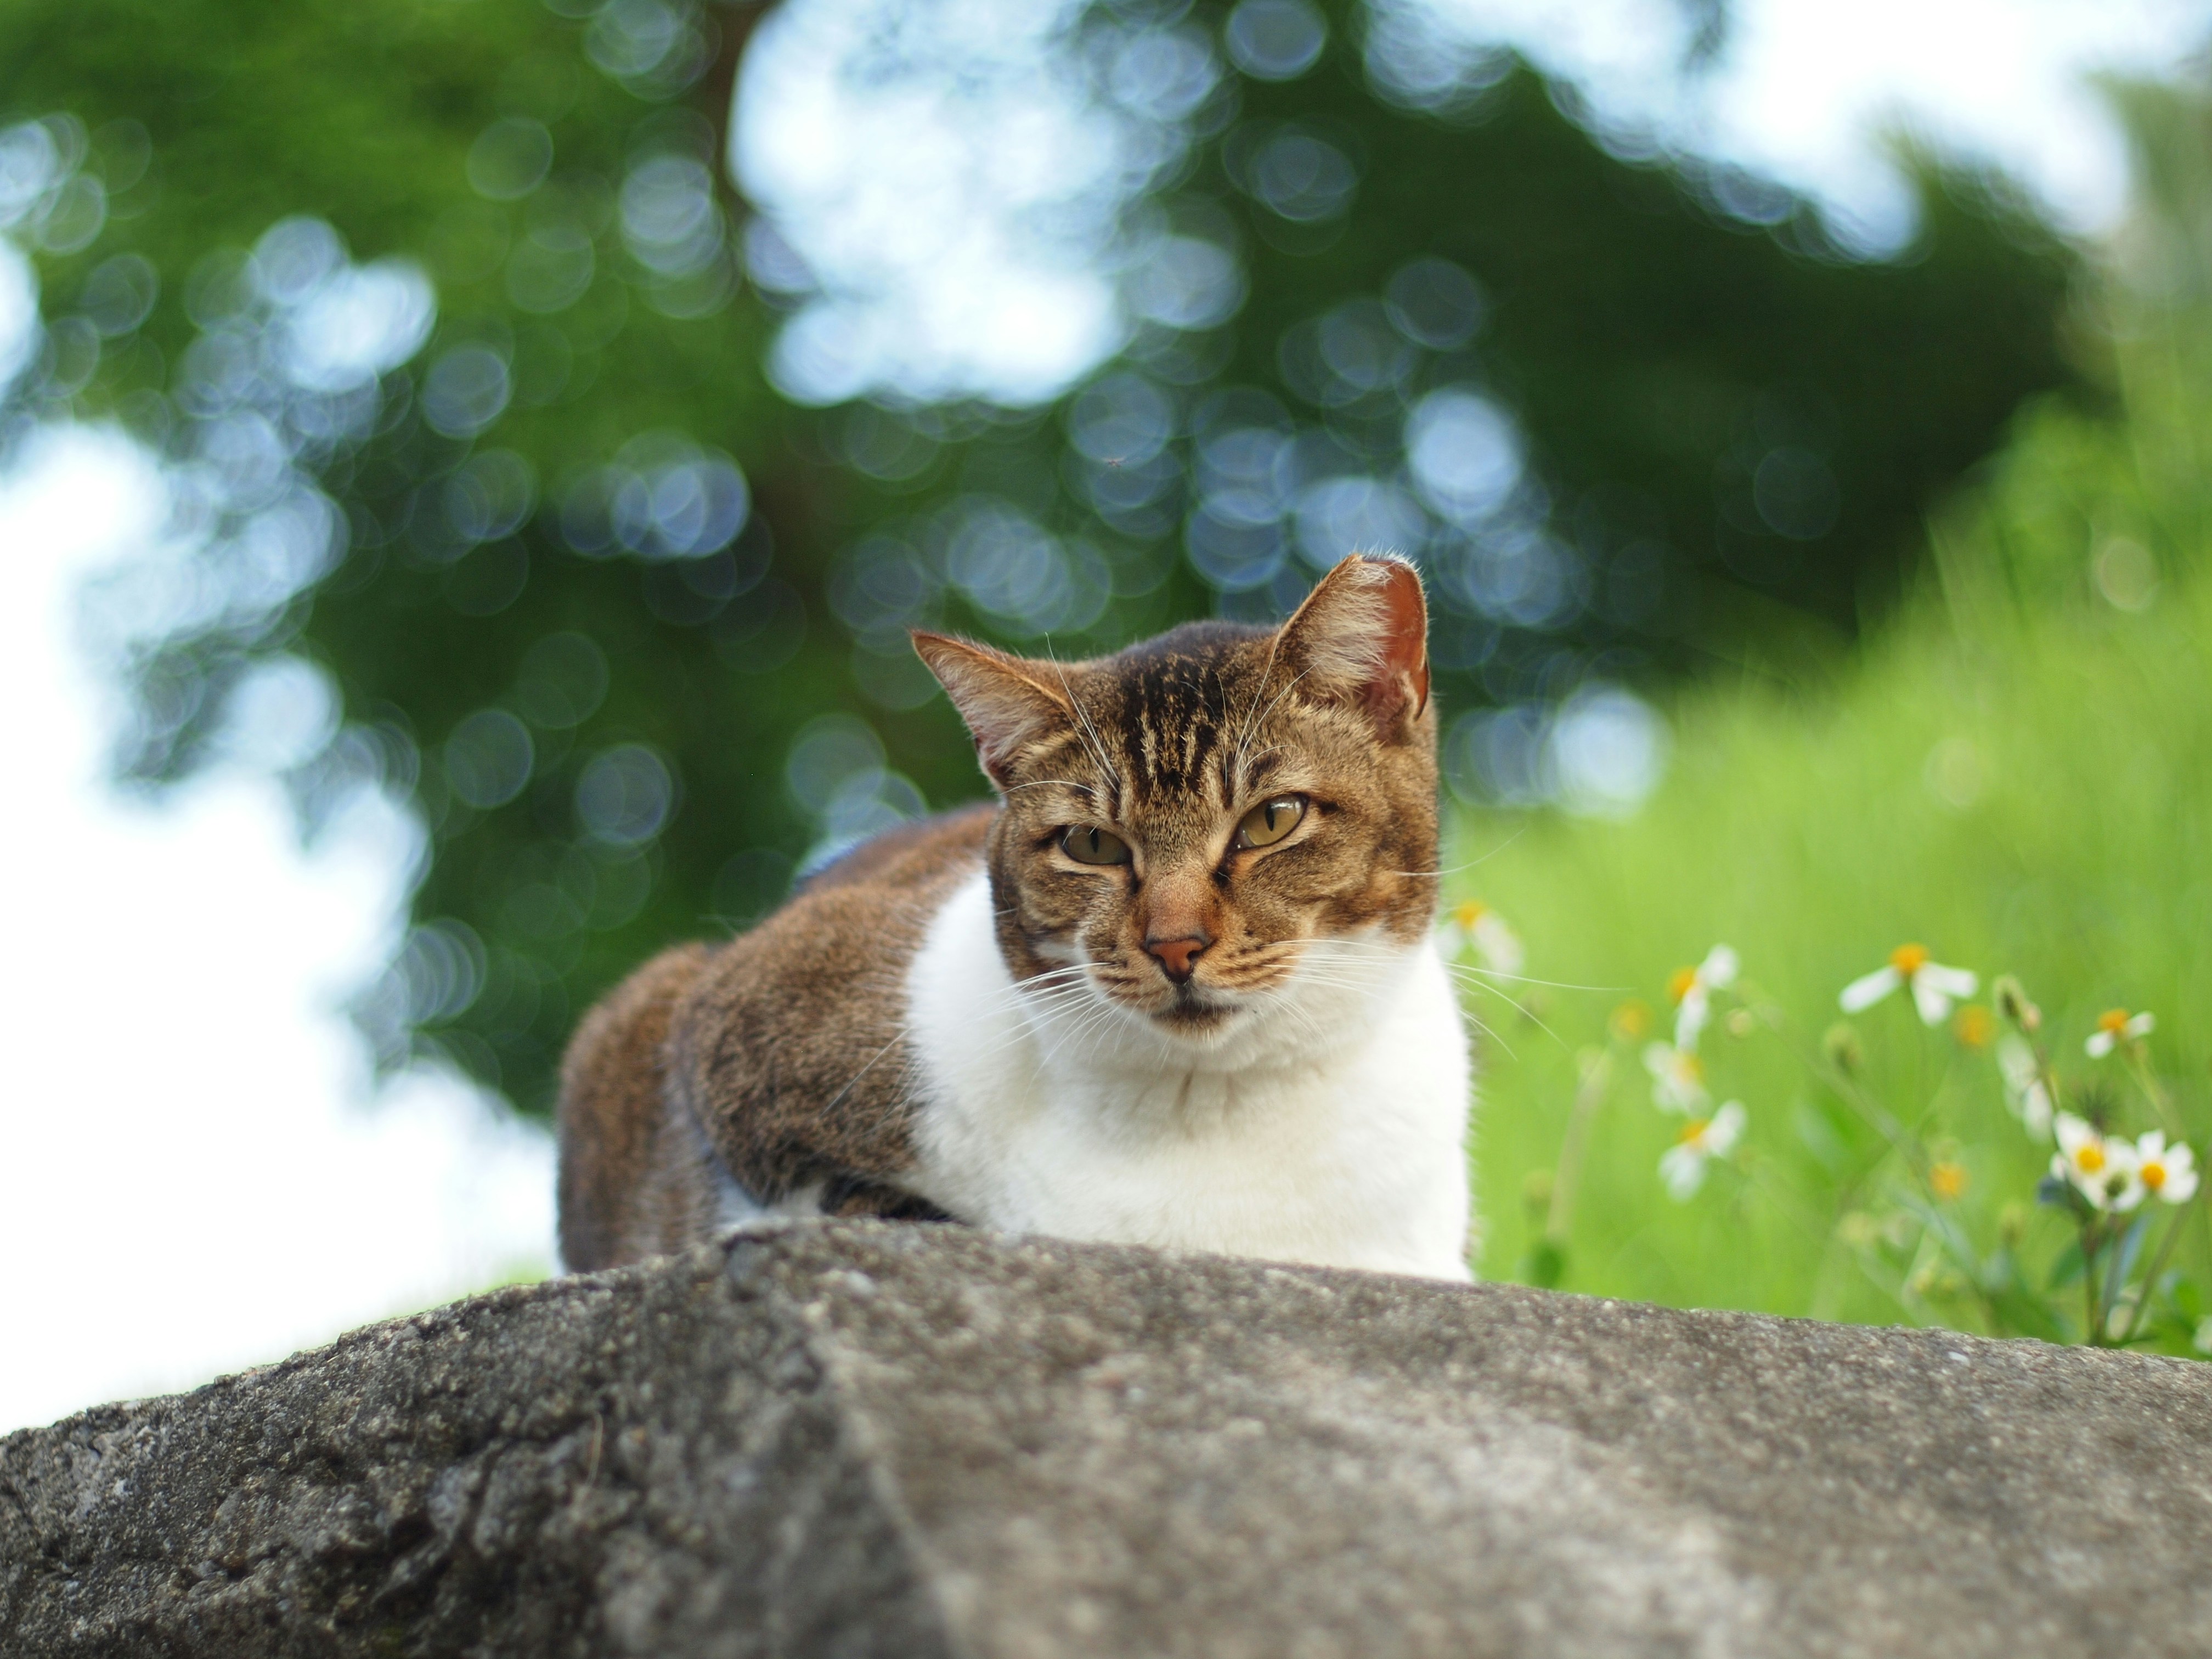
x: 2017, y: 773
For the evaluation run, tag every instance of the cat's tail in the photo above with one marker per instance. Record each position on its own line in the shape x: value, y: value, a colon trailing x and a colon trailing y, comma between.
x: 628, y: 1189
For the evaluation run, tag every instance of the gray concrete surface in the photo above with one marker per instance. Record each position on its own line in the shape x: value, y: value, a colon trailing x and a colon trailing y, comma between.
x: 860, y: 1439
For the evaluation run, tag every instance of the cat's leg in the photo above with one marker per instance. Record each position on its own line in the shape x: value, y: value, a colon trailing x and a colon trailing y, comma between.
x: 856, y: 1195
x: 632, y: 1184
x: 789, y: 1053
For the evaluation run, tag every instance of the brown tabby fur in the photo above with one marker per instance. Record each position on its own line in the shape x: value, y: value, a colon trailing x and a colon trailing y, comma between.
x: 781, y: 1054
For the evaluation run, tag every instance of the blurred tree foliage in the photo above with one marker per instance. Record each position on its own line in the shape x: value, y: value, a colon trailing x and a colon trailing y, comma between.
x: 551, y: 557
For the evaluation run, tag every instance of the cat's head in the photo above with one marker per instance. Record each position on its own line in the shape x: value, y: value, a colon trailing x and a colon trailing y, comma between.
x: 1188, y: 821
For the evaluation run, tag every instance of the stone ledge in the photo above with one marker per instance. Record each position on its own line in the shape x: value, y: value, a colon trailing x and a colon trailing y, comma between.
x: 853, y: 1438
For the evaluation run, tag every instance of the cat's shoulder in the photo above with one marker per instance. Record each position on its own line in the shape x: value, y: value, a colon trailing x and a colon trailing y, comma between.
x: 910, y: 855
x: 846, y: 922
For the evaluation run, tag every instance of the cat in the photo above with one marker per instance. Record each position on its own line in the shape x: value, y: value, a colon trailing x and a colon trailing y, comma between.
x: 1175, y: 987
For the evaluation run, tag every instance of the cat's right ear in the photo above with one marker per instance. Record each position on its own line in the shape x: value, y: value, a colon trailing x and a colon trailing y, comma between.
x: 1006, y: 705
x: 1361, y: 638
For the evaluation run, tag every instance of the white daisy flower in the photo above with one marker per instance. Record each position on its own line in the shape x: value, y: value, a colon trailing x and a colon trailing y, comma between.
x: 2102, y: 1168
x: 1693, y: 989
x: 2115, y: 1026
x: 1682, y: 1166
x: 1477, y: 927
x: 2025, y: 1090
x: 2165, y: 1172
x: 1678, y: 1079
x: 1934, y: 987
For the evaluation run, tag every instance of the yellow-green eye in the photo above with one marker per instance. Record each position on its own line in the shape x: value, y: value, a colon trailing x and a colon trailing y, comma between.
x: 1086, y: 843
x: 1264, y: 825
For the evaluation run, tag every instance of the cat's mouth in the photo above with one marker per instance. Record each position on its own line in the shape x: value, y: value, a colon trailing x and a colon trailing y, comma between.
x: 1194, y: 1012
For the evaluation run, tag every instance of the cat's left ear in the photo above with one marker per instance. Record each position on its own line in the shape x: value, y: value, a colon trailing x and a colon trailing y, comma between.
x: 1362, y: 638
x: 1007, y: 706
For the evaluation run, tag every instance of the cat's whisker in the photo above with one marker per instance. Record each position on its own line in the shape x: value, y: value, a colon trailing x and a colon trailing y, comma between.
x: 1464, y: 969
x: 1472, y: 863
x: 1550, y: 984
x: 1306, y: 976
x: 850, y: 1083
x: 1101, y: 1020
x: 1095, y: 744
x: 1468, y: 979
x: 1279, y: 695
x: 1492, y: 1032
x: 1052, y: 976
x: 1261, y: 754
x: 1321, y: 982
x: 1259, y: 690
x: 1518, y: 1007
x: 1091, y: 1021
x: 1030, y: 1025
x: 1047, y: 997
x: 1034, y: 995
x: 1030, y: 1019
x: 1043, y: 1005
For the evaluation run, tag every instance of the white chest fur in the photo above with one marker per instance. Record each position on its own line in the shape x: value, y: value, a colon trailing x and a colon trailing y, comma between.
x: 1330, y: 1126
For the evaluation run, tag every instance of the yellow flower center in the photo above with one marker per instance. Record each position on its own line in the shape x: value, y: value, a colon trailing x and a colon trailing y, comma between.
x: 1694, y: 1130
x: 1679, y: 986
x: 2089, y: 1158
x: 2154, y: 1176
x: 1909, y: 960
x: 1948, y: 1180
x: 2114, y: 1020
x: 1632, y: 1019
x: 1688, y: 1066
x: 1974, y: 1026
x: 1469, y: 914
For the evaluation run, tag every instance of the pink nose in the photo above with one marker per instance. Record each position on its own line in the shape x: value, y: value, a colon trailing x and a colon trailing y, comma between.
x: 1175, y: 955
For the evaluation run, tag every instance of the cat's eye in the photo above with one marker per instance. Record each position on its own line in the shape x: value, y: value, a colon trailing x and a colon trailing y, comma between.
x: 1086, y: 843
x: 1268, y: 822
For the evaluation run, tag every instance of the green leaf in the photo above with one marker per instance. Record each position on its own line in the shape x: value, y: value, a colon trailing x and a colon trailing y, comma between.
x: 2020, y: 1312
x: 2120, y: 1260
x: 2181, y: 1292
x: 2069, y: 1266
x: 1544, y: 1266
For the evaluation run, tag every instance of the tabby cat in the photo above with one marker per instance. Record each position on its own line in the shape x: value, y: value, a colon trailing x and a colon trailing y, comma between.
x: 1174, y: 986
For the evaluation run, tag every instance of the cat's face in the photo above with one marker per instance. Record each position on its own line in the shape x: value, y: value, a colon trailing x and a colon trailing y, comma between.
x: 1188, y: 822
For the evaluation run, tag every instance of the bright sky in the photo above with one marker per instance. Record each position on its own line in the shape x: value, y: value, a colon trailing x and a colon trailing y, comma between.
x: 1804, y: 90
x: 193, y: 1174
x: 917, y: 205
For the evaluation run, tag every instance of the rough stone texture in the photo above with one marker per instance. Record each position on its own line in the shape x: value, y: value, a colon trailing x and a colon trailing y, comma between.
x: 861, y: 1440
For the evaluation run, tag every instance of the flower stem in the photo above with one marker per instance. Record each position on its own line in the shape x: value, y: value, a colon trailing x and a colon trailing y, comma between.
x: 2150, y: 1278
x: 2138, y: 1053
x: 2094, y: 1311
x: 1597, y: 1082
x: 1877, y: 1116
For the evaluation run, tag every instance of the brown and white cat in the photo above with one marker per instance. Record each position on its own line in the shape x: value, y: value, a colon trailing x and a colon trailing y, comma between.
x: 1176, y: 988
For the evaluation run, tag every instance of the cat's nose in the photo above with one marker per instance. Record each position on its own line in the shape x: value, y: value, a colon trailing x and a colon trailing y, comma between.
x: 1176, y: 955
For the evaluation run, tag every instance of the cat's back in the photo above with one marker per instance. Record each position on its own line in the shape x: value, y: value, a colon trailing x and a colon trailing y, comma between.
x: 921, y: 853
x: 824, y: 969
